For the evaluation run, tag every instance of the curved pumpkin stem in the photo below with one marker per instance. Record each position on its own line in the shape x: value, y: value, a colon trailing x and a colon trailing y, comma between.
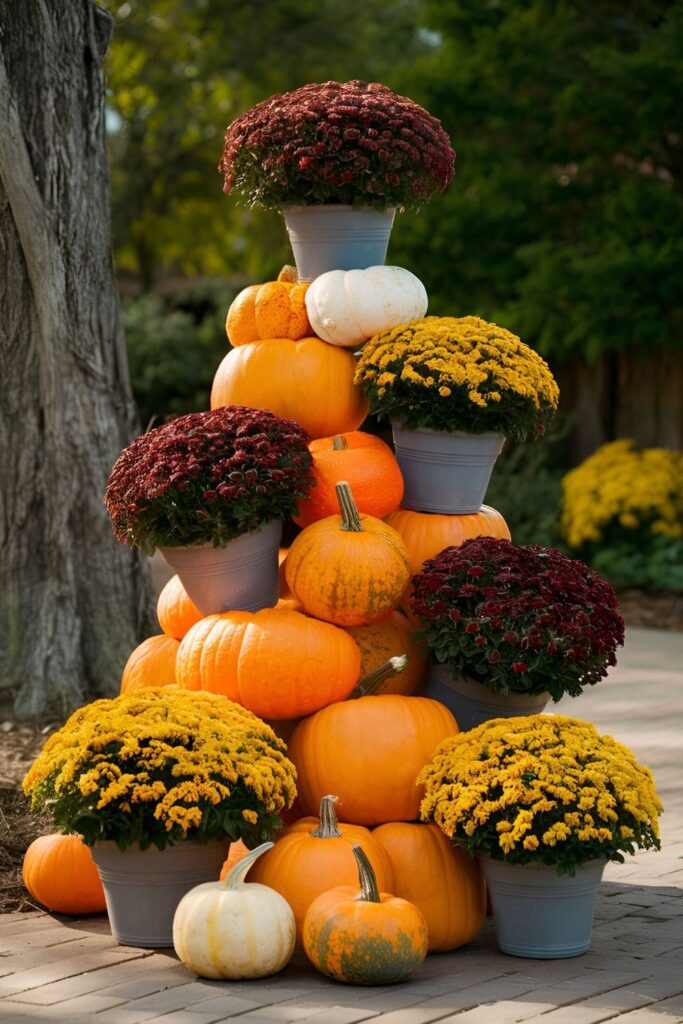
x: 289, y: 274
x: 348, y: 508
x: 236, y: 877
x: 374, y: 680
x: 329, y: 825
x: 339, y: 443
x: 369, y: 890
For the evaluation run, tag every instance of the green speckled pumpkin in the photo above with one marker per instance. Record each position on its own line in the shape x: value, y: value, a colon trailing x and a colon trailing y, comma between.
x: 364, y: 938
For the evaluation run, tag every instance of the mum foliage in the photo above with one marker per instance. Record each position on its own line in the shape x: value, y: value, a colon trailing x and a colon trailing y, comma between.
x: 450, y: 373
x: 542, y: 788
x: 355, y: 143
x: 160, y: 766
x: 208, y: 477
x: 518, y: 618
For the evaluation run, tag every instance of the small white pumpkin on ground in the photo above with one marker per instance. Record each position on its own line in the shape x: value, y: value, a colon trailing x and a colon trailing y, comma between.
x: 234, y: 929
x: 346, y: 307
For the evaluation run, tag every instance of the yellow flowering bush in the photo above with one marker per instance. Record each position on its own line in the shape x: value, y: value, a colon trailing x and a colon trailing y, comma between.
x: 623, y: 509
x: 160, y: 766
x: 541, y: 788
x: 449, y: 373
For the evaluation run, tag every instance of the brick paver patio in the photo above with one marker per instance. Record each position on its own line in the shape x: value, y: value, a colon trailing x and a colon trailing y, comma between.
x: 58, y: 969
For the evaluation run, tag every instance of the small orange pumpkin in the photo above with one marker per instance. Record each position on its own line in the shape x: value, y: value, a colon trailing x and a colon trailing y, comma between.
x: 348, y: 569
x: 308, y: 381
x: 151, y: 664
x: 60, y: 873
x: 388, y: 638
x: 439, y: 878
x: 369, y: 466
x: 175, y: 610
x: 274, y: 662
x: 367, y: 937
x: 425, y: 534
x: 276, y: 309
x: 315, y: 855
x: 369, y: 752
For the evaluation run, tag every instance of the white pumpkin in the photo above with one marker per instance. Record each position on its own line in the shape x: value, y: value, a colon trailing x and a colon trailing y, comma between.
x: 346, y: 307
x: 234, y: 929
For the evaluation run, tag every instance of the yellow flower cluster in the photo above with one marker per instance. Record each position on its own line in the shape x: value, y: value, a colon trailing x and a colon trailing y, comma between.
x: 621, y: 486
x: 162, y: 756
x: 442, y: 354
x: 542, y: 785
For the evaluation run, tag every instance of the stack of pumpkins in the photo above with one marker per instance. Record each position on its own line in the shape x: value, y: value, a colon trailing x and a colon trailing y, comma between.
x: 323, y: 665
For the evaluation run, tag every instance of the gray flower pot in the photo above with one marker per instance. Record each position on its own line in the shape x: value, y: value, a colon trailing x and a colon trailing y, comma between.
x: 337, y: 237
x: 540, y: 914
x: 443, y: 471
x: 143, y: 887
x: 471, y: 703
x: 242, y: 576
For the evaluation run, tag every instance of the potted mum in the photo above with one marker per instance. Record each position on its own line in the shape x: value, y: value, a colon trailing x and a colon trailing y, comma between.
x: 454, y: 389
x: 158, y: 783
x: 210, y: 490
x: 512, y: 626
x: 545, y: 802
x: 338, y: 158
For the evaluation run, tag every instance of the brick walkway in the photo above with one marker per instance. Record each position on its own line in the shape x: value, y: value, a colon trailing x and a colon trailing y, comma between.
x: 57, y: 969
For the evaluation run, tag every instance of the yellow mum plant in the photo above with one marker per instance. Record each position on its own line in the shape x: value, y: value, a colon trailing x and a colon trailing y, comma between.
x: 543, y: 788
x: 160, y: 766
x: 449, y: 373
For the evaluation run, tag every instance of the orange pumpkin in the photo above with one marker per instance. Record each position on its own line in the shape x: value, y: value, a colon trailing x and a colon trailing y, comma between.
x: 439, y: 878
x: 349, y: 568
x: 388, y: 638
x: 276, y: 663
x: 175, y: 610
x: 236, y: 852
x: 151, y: 664
x: 367, y: 937
x: 425, y: 534
x: 369, y: 466
x: 276, y: 309
x: 59, y: 871
x: 308, y: 381
x: 369, y: 752
x: 310, y: 859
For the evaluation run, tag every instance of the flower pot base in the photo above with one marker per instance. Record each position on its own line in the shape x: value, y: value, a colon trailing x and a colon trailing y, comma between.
x: 337, y: 238
x: 471, y: 703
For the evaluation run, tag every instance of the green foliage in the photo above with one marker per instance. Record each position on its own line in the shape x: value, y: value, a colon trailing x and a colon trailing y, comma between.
x: 647, y: 561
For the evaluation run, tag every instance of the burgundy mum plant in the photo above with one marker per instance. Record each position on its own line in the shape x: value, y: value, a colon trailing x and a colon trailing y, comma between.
x: 355, y: 143
x: 208, y: 477
x: 518, y: 618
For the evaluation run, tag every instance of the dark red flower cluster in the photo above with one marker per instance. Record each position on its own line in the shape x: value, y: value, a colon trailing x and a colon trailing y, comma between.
x: 356, y: 143
x: 518, y: 617
x: 207, y: 477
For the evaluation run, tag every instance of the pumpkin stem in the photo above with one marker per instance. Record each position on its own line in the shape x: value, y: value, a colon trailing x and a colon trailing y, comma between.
x: 369, y: 890
x: 371, y: 683
x: 328, y: 827
x: 236, y: 876
x: 348, y: 508
x: 289, y: 274
x: 339, y: 443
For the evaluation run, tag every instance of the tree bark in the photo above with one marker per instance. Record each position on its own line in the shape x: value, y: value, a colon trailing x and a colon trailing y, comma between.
x: 73, y: 602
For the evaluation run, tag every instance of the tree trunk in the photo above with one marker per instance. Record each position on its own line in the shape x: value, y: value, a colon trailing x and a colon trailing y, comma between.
x: 73, y: 602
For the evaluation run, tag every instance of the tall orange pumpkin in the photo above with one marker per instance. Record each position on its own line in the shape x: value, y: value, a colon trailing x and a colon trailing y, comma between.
x: 369, y: 752
x: 59, y: 871
x: 439, y: 878
x: 349, y: 568
x: 152, y: 664
x: 175, y: 611
x: 310, y: 859
x: 365, y: 462
x: 388, y: 638
x: 308, y: 381
x: 274, y: 662
x: 276, y: 309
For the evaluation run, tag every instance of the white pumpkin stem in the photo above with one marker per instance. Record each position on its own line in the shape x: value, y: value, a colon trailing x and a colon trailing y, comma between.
x: 371, y: 683
x: 348, y: 508
x: 369, y: 890
x: 339, y: 443
x: 329, y: 824
x: 237, y: 875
